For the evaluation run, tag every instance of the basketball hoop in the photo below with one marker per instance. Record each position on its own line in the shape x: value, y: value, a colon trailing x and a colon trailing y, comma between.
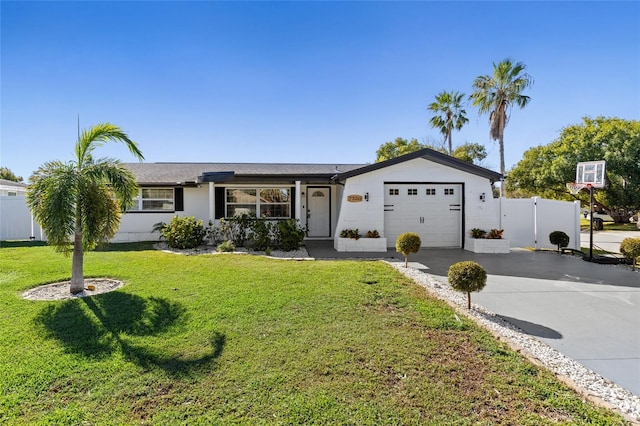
x: 575, y: 187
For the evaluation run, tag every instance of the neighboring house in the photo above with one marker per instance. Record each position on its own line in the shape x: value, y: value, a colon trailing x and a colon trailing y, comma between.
x: 12, y: 189
x: 427, y: 192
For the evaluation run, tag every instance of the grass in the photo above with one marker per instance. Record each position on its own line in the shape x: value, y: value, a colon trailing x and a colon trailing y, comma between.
x: 239, y: 339
x: 611, y: 226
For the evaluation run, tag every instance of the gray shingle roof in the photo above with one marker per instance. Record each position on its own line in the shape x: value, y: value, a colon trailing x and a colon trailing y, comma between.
x: 6, y: 182
x: 191, y: 173
x: 171, y: 173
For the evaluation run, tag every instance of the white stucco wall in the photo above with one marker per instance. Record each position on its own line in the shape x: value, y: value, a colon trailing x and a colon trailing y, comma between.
x: 370, y: 215
x: 137, y: 226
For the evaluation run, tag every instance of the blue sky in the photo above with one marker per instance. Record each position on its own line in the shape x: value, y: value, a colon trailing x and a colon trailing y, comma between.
x: 303, y: 82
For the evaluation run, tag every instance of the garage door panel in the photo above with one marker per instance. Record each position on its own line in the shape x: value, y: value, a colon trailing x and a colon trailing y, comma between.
x: 433, y: 211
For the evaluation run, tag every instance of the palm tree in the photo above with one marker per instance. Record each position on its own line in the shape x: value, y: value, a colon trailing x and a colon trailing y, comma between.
x: 495, y: 94
x: 449, y: 114
x: 79, y: 203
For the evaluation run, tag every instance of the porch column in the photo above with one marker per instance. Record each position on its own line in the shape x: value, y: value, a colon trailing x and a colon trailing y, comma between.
x: 212, y: 203
x: 298, y: 201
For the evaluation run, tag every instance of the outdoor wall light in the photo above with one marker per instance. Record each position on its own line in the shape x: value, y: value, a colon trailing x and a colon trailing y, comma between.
x: 366, y: 196
x: 482, y: 197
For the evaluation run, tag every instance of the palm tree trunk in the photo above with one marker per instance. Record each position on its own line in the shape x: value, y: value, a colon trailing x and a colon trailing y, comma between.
x: 450, y: 143
x: 77, y: 275
x: 501, y: 142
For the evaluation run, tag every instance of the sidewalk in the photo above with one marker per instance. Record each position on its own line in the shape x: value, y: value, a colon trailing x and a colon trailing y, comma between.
x: 607, y: 240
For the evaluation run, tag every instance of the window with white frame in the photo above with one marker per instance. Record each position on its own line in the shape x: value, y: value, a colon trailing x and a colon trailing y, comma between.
x: 260, y: 202
x: 431, y: 191
x: 154, y: 199
x: 412, y: 191
x: 448, y: 191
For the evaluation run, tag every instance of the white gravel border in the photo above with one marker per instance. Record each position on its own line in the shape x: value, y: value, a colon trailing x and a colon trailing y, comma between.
x: 586, y: 382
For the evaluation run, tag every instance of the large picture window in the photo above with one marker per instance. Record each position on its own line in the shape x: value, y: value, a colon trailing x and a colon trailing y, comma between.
x: 260, y: 202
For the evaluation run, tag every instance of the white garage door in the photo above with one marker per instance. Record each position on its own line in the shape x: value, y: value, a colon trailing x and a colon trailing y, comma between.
x: 433, y: 211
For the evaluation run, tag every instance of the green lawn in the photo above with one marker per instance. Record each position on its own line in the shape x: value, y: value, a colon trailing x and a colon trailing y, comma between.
x: 239, y: 339
x: 611, y: 226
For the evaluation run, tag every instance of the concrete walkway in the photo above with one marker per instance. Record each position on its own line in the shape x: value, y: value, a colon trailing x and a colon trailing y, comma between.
x: 587, y: 311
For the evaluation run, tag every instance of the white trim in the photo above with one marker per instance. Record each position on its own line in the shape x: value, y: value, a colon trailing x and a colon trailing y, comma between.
x: 298, y: 209
x: 212, y: 202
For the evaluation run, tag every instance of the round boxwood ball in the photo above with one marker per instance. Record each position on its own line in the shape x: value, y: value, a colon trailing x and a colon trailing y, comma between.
x: 559, y: 238
x: 467, y: 276
x: 408, y: 243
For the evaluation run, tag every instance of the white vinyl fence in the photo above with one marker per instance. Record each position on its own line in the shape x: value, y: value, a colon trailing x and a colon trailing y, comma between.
x: 15, y: 220
x: 527, y: 222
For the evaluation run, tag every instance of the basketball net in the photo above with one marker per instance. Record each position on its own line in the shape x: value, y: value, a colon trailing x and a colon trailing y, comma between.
x: 575, y: 187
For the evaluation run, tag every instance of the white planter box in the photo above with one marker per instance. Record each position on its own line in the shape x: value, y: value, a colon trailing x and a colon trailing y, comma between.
x: 483, y: 245
x: 362, y: 244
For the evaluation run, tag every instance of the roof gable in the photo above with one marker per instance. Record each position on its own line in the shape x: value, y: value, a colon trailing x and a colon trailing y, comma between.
x: 427, y: 154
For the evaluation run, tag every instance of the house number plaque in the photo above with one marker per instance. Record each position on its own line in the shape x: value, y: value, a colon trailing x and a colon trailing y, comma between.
x: 354, y: 198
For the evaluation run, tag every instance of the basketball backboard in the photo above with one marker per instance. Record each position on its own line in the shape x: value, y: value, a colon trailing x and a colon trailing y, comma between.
x: 591, y: 173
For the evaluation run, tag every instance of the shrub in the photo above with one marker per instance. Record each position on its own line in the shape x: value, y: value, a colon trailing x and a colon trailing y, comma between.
x: 354, y: 234
x: 289, y: 234
x: 226, y: 247
x: 236, y: 229
x: 408, y: 243
x: 373, y: 234
x: 630, y: 248
x: 466, y: 277
x: 559, y: 238
x: 478, y: 233
x: 183, y: 232
x: 495, y: 234
x: 261, y: 234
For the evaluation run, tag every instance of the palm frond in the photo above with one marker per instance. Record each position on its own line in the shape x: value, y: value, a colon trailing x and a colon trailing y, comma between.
x: 52, y: 196
x: 100, y: 134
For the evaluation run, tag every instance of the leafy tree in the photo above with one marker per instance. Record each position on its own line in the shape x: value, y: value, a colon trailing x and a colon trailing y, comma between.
x: 496, y: 94
x: 448, y: 114
x: 79, y: 203
x: 544, y: 170
x: 473, y: 153
x: 397, y: 148
x: 6, y: 173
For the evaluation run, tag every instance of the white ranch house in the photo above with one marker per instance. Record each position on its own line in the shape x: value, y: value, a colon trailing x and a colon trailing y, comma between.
x: 435, y: 195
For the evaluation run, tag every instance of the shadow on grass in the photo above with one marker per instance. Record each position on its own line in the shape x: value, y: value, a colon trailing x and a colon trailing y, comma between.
x: 137, y: 246
x: 22, y: 243
x: 100, y: 326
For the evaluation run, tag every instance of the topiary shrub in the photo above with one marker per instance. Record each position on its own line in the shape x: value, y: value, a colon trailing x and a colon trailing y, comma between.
x: 630, y: 248
x: 183, y: 232
x: 408, y: 243
x: 559, y: 238
x: 466, y: 277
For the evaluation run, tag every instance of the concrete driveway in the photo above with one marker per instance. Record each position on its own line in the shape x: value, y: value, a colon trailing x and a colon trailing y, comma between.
x: 587, y: 311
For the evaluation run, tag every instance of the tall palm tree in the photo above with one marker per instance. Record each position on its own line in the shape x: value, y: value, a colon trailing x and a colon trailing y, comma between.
x: 79, y: 203
x: 495, y: 94
x: 449, y: 114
